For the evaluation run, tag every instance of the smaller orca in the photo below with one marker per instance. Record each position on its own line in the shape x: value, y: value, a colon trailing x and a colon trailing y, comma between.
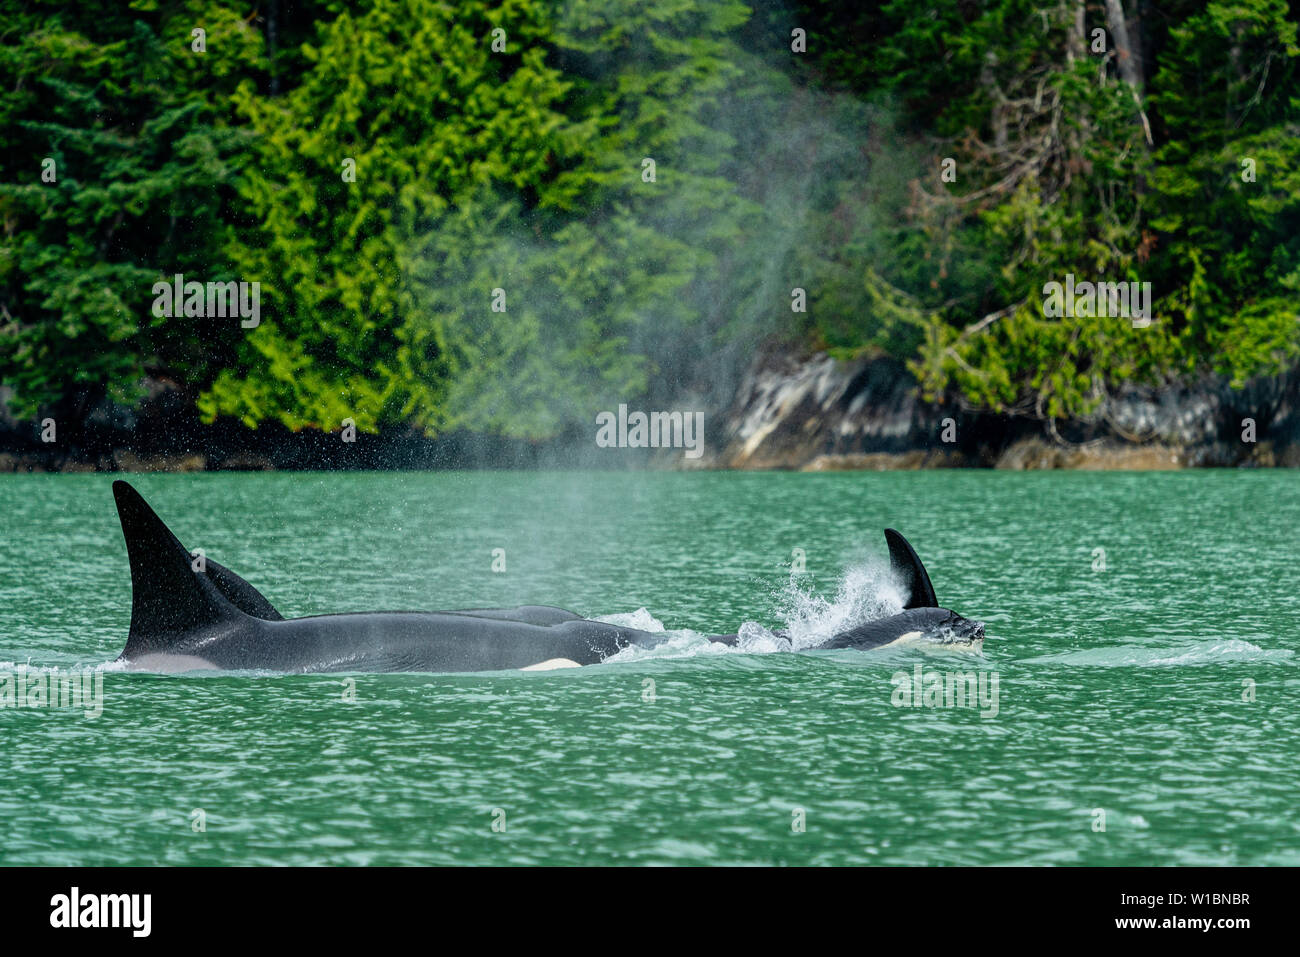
x: 183, y: 619
x: 921, y: 621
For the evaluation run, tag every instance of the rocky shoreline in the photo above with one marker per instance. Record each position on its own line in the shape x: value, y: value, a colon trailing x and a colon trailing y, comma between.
x: 811, y: 413
x: 817, y: 413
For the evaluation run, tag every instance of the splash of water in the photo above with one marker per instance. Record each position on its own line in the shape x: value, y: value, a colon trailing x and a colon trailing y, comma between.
x: 641, y: 620
x: 866, y: 591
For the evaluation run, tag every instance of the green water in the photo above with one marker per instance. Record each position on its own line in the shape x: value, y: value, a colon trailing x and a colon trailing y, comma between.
x: 1119, y: 690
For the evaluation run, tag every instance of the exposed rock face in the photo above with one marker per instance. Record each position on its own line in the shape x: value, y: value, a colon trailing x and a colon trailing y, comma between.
x: 817, y: 413
x: 1101, y: 455
x: 808, y: 412
x: 820, y: 413
x: 887, y: 461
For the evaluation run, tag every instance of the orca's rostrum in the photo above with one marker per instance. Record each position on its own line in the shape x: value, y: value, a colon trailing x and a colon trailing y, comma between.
x: 183, y: 619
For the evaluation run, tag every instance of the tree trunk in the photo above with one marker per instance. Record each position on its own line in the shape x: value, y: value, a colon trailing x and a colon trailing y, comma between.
x: 1076, y: 38
x: 1126, y: 59
x: 1130, y: 67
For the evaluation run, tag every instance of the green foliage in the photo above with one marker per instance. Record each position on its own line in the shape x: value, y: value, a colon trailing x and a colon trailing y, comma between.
x: 1233, y: 243
x: 136, y: 127
x: 521, y: 170
x: 1056, y: 176
x: 414, y: 97
x: 479, y: 170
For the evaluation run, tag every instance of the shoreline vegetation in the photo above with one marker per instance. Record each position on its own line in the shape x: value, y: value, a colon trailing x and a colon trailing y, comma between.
x: 811, y: 414
x: 921, y: 233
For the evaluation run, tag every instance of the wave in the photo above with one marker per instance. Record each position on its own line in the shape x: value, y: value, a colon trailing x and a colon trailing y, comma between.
x: 1207, y: 652
x: 29, y: 668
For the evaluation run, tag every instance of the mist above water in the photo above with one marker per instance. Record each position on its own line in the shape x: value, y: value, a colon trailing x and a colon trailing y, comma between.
x: 659, y: 294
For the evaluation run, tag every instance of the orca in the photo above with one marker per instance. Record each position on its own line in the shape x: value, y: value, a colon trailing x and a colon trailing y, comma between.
x: 188, y: 619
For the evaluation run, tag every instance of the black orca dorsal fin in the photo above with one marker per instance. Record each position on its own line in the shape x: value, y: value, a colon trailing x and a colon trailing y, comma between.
x: 169, y: 600
x: 240, y: 593
x: 903, y: 560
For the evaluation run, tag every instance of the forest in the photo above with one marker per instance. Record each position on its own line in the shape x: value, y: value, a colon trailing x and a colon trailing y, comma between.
x: 503, y: 218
